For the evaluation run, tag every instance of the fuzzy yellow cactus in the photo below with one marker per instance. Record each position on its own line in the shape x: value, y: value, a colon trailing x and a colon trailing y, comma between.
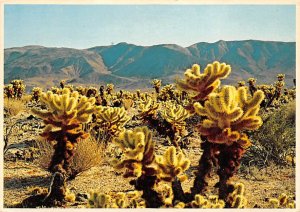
x: 175, y: 114
x: 228, y: 113
x: 283, y: 201
x: 110, y: 88
x: 210, y: 202
x: 118, y: 200
x: 148, y: 108
x: 280, y: 77
x: 18, y: 88
x: 63, y: 119
x: 167, y: 93
x: 237, y: 198
x: 65, y: 111
x: 166, y: 194
x: 172, y: 165
x: 111, y: 119
x: 201, y: 85
x: 138, y: 149
x: 35, y: 93
x: 99, y: 200
x: 156, y: 84
x: 241, y: 83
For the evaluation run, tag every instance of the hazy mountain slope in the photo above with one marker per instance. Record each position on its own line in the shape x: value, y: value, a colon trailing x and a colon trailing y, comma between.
x: 67, y: 63
x: 129, y: 65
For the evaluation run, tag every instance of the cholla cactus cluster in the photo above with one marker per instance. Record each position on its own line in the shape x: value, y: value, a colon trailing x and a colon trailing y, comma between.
x: 15, y: 89
x: 283, y: 201
x: 111, y: 120
x: 120, y: 200
x: 63, y: 120
x: 224, y: 114
x: 252, y: 86
x: 176, y: 115
x: 138, y: 149
x: 156, y: 84
x: 36, y: 93
x: 110, y: 88
x: 237, y: 198
x: 212, y: 201
x: 148, y: 109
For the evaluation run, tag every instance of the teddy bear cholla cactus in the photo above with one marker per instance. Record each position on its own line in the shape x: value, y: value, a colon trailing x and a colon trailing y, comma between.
x: 120, y: 200
x: 210, y: 202
x: 283, y: 201
x: 237, y: 198
x: 175, y: 115
x: 110, y: 88
x: 201, y: 85
x: 35, y: 93
x: 63, y: 119
x: 172, y: 164
x: 148, y: 109
x: 111, y: 120
x: 228, y: 112
x: 156, y: 85
x: 138, y: 149
x: 140, y: 162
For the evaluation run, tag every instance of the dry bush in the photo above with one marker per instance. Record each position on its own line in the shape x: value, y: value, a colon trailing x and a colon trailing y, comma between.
x: 13, y: 106
x: 26, y: 98
x: 88, y: 154
x: 276, y: 138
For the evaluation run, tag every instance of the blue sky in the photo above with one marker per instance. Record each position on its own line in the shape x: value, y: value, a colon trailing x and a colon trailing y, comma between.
x: 84, y: 26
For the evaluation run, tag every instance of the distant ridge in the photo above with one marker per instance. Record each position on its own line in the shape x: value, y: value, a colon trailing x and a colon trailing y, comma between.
x: 129, y: 65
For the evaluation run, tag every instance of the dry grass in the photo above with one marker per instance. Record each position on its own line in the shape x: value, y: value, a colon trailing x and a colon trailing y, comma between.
x: 13, y: 106
x: 88, y: 154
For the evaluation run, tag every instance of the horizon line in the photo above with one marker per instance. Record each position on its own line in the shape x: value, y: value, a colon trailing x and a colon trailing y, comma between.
x: 124, y: 42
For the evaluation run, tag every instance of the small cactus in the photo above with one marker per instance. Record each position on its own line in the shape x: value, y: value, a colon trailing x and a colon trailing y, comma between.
x: 111, y: 120
x: 176, y: 115
x: 156, y: 84
x: 138, y: 149
x: 210, y: 202
x: 171, y: 164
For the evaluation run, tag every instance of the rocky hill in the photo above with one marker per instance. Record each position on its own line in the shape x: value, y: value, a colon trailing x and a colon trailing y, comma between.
x: 128, y: 65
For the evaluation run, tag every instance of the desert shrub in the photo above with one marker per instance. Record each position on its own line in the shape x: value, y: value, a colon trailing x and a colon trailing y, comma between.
x: 88, y: 154
x: 277, y: 136
x: 12, y: 107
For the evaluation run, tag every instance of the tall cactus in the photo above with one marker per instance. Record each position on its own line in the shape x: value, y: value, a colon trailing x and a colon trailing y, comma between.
x: 228, y: 112
x: 63, y: 119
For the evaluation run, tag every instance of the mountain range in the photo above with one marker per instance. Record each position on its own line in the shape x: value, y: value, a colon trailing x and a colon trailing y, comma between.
x: 130, y: 66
